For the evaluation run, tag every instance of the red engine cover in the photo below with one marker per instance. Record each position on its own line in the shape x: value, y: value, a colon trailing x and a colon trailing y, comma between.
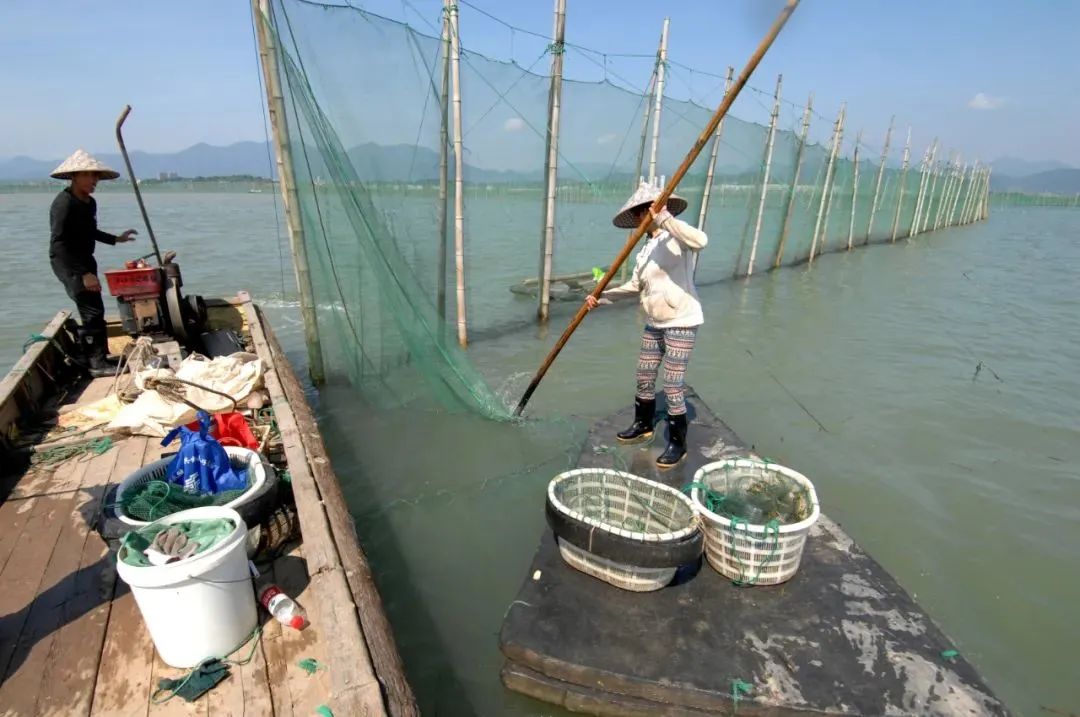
x: 135, y: 283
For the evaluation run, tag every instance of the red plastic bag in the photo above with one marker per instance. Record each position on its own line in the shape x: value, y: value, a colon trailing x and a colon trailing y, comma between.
x: 230, y: 429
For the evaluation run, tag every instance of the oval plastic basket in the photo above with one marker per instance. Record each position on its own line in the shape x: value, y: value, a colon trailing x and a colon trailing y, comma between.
x: 239, y: 458
x: 642, y: 518
x: 747, y: 553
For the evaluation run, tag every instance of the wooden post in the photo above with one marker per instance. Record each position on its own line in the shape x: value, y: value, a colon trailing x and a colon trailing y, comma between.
x: 451, y: 8
x: 854, y: 189
x: 932, y: 194
x: 877, y: 185
x: 712, y: 159
x: 965, y: 198
x: 903, y: 185
x: 946, y: 190
x: 986, y: 195
x: 827, y: 186
x: 976, y: 190
x: 794, y: 181
x: 658, y: 99
x: 444, y: 166
x: 765, y: 178
x: 287, y: 181
x: 551, y: 172
x: 644, y: 132
x: 924, y: 186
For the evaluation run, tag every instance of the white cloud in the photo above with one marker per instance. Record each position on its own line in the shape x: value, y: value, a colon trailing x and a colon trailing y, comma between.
x: 606, y: 138
x: 983, y: 101
x: 514, y: 124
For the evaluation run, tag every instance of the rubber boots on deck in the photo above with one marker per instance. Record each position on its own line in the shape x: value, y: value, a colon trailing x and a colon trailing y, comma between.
x: 642, y: 428
x: 95, y: 351
x: 676, y: 447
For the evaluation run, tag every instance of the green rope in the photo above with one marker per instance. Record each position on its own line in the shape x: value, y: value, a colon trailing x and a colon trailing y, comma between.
x: 772, y: 526
x: 557, y: 48
x: 738, y: 689
x: 156, y: 499
x: 310, y: 665
x: 324, y: 711
x: 172, y: 687
x: 34, y: 338
x: 59, y: 454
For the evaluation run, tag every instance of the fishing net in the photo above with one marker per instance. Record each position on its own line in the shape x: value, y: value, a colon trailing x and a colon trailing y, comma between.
x: 156, y: 499
x: 197, y: 536
x: 364, y: 116
x: 755, y: 494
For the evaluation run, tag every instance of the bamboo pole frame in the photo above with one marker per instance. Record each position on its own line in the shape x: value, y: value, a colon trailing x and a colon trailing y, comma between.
x: 551, y: 168
x: 793, y: 191
x: 451, y: 9
x: 707, y: 190
x: 932, y: 196
x: 924, y: 188
x: 827, y: 186
x: 854, y: 189
x: 877, y: 184
x: 658, y: 98
x: 769, y: 143
x: 903, y: 185
x: 956, y: 195
x: 444, y: 168
x: 275, y: 103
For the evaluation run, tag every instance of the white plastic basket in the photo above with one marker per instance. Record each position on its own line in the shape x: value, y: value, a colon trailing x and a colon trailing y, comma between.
x: 627, y: 577
x: 746, y: 553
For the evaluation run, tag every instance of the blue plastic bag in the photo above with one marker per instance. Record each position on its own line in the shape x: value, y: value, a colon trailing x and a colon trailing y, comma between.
x: 201, y: 465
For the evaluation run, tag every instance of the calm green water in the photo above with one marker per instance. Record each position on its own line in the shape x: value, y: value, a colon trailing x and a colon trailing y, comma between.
x: 964, y: 486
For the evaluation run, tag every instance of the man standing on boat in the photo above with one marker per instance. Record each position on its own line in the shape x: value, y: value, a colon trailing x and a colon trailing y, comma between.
x: 73, y: 237
x: 663, y: 279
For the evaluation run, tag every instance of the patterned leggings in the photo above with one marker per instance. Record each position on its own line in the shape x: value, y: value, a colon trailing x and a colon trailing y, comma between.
x: 670, y: 347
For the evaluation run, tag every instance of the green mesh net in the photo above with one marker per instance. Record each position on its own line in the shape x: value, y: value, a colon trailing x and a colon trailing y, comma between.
x: 156, y: 499
x: 364, y: 112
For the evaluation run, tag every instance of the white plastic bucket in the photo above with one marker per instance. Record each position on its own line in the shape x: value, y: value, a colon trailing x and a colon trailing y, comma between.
x: 200, y: 607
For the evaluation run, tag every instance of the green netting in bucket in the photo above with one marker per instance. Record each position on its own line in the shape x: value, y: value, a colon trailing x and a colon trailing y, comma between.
x: 757, y: 516
x: 173, y: 541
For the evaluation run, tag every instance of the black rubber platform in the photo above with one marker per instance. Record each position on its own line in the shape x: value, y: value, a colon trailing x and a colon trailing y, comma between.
x: 841, y: 637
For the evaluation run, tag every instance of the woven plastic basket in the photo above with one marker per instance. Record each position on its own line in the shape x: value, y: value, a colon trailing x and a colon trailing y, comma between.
x: 637, y: 510
x: 751, y: 554
x: 240, y: 458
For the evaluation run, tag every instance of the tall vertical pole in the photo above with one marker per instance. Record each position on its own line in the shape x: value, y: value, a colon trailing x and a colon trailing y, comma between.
x: 986, y: 195
x: 965, y: 198
x: 946, y: 190
x: 451, y: 9
x: 903, y: 185
x: 854, y: 189
x: 827, y: 187
x: 931, y: 196
x: 976, y: 184
x: 765, y: 178
x: 799, y: 155
x: 712, y: 159
x: 552, y: 163
x: 950, y: 221
x: 658, y: 99
x: 287, y: 180
x: 924, y: 168
x: 444, y: 166
x: 644, y: 132
x: 877, y: 184
x: 924, y: 187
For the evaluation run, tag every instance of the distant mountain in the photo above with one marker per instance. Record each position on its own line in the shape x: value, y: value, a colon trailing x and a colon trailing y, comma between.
x: 1013, y: 167
x: 1055, y: 181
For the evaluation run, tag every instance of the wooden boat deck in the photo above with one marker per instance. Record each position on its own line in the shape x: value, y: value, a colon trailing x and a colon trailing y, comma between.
x: 72, y: 641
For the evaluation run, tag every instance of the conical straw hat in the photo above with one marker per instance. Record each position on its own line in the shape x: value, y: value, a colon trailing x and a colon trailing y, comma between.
x: 81, y: 161
x: 645, y: 194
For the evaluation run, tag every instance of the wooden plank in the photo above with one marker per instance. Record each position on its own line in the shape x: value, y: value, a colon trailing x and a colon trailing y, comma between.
x: 123, y: 678
x: 36, y: 597
x: 356, y: 691
x: 375, y: 625
x: 295, y: 692
x: 18, y: 507
x: 70, y: 671
x: 23, y: 370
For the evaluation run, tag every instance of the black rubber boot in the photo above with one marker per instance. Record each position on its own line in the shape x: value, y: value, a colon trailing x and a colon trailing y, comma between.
x: 676, y: 447
x: 642, y: 428
x: 94, y: 353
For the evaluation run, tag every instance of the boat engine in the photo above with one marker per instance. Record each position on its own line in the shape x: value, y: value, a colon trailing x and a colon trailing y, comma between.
x: 151, y: 303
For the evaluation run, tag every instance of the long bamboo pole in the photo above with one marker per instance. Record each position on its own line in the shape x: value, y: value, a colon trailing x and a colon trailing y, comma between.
x: 924, y: 187
x: 903, y: 186
x: 854, y: 189
x: 287, y: 182
x: 986, y: 195
x: 976, y: 187
x: 769, y: 143
x: 793, y: 191
x: 551, y: 170
x: 638, y: 176
x: 707, y: 191
x: 444, y: 165
x: 658, y: 99
x: 877, y: 185
x: 832, y: 181
x: 931, y: 197
x: 965, y: 198
x: 695, y: 150
x: 826, y: 187
x: 946, y: 190
x: 451, y: 10
x: 956, y: 195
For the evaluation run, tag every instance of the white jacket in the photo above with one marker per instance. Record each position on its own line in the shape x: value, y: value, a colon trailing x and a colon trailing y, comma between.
x: 664, y: 275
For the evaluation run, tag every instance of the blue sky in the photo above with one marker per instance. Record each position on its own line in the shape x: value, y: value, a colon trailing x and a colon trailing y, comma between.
x: 990, y: 78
